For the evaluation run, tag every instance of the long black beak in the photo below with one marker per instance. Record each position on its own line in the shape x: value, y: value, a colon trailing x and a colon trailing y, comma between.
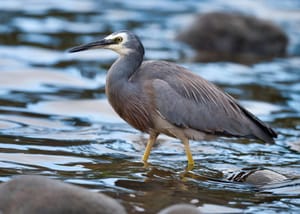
x: 92, y: 45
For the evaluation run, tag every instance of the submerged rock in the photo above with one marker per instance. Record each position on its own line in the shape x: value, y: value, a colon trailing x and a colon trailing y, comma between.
x: 257, y: 176
x: 219, y: 36
x: 38, y: 194
x: 294, y: 145
x: 180, y: 209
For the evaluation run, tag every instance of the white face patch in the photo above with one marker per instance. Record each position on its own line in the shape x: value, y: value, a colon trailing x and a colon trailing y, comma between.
x: 120, y: 47
x: 123, y: 35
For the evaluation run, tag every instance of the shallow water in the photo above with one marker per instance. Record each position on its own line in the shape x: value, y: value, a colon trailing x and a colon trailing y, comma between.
x: 55, y: 119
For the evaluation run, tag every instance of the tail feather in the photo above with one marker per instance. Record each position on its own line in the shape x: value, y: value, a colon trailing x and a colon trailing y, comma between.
x: 260, y: 130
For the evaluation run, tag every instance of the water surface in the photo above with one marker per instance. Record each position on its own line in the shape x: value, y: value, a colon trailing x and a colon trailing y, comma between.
x: 55, y: 119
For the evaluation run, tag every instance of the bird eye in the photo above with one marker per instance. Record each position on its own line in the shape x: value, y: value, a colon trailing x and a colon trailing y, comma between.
x: 118, y: 39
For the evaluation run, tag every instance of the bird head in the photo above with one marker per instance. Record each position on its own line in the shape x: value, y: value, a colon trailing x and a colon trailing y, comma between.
x: 122, y: 42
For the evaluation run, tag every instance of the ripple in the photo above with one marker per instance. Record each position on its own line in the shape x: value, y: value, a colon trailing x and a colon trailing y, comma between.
x: 37, y: 7
x: 94, y: 110
x: 53, y: 162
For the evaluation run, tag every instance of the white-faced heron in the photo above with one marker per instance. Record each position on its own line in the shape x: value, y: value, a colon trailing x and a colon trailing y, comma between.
x: 161, y: 97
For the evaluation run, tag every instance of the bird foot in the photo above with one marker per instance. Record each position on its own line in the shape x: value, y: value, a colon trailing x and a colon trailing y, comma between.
x: 190, y: 166
x: 146, y: 164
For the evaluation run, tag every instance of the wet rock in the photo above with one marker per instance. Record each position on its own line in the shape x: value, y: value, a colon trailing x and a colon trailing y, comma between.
x: 257, y: 176
x: 221, y: 36
x: 180, y: 209
x: 289, y: 187
x: 38, y: 194
x: 294, y: 145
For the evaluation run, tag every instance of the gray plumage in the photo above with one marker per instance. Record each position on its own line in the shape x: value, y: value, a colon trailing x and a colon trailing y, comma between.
x: 162, y: 97
x: 189, y: 101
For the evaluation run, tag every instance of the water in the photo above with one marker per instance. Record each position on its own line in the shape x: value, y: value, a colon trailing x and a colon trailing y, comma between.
x: 55, y: 119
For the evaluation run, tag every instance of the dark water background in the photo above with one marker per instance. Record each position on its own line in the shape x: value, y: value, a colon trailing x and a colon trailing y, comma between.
x: 55, y: 119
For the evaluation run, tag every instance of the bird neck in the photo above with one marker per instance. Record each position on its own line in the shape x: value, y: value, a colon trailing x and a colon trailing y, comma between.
x: 123, y: 68
x: 118, y: 85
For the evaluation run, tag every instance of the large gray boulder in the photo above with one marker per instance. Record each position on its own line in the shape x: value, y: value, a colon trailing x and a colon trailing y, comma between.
x: 181, y: 209
x: 38, y: 194
x: 219, y: 36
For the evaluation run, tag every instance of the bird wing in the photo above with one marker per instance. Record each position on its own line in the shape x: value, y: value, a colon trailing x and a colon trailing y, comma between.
x: 189, y: 101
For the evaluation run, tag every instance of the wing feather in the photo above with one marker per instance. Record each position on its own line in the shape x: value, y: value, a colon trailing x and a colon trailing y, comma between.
x: 187, y: 100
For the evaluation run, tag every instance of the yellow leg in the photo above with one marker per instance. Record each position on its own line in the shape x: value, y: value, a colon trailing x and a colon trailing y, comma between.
x: 189, y: 155
x: 150, y: 143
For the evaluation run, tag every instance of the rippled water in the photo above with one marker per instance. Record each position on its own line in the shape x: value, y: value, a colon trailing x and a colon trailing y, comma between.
x: 55, y: 119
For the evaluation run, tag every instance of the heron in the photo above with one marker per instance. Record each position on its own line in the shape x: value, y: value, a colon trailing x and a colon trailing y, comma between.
x: 161, y: 97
